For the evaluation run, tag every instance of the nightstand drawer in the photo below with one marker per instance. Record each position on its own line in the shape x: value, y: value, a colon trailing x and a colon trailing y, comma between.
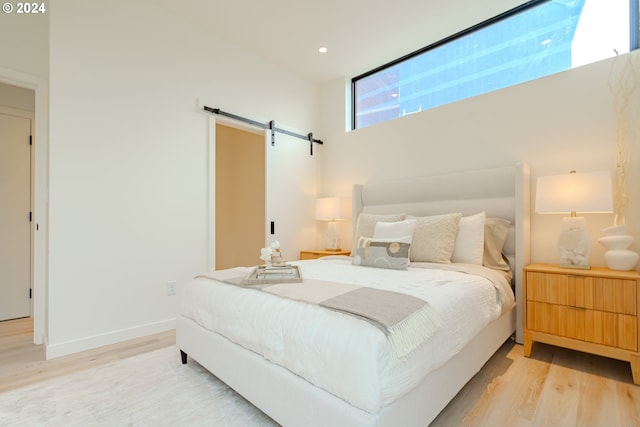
x: 596, y: 293
x: 594, y: 326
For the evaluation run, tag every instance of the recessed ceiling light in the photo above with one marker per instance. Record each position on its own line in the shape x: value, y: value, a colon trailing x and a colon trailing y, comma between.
x: 323, y: 49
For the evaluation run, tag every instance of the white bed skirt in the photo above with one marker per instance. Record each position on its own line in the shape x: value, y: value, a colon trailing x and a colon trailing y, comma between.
x: 292, y: 401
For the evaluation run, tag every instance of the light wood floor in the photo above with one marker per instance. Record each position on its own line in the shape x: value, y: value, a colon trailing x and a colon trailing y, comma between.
x: 554, y: 387
x: 22, y: 362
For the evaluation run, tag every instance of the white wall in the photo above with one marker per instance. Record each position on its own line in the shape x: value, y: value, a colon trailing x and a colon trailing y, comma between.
x: 562, y: 122
x: 128, y: 159
x: 24, y: 42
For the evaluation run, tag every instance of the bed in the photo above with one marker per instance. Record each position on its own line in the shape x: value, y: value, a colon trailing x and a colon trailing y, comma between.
x: 327, y: 367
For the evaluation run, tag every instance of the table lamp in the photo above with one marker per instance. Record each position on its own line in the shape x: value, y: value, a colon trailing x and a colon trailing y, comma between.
x: 331, y: 209
x: 570, y: 193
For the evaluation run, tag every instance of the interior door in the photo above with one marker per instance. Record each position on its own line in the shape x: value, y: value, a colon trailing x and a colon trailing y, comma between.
x: 15, y: 207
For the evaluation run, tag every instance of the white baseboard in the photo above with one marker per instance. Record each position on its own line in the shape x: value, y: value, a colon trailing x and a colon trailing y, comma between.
x: 75, y: 346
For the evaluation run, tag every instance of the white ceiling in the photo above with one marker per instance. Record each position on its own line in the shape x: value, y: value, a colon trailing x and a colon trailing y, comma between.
x: 360, y: 34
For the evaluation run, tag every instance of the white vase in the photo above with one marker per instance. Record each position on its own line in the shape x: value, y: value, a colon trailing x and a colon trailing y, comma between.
x: 618, y: 256
x: 616, y: 230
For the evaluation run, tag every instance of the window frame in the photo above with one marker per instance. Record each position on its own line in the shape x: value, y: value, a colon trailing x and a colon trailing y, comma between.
x: 634, y: 42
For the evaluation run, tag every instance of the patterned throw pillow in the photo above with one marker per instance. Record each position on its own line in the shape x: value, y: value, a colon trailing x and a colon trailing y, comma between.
x: 392, y: 255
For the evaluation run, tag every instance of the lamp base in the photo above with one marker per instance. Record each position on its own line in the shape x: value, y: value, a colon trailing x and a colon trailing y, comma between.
x: 333, y: 241
x: 574, y: 244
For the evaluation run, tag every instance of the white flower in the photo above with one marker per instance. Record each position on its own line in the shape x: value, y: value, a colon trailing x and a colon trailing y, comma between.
x: 265, y: 254
x: 275, y: 245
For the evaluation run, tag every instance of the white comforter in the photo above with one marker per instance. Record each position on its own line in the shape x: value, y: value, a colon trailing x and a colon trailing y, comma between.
x: 344, y: 355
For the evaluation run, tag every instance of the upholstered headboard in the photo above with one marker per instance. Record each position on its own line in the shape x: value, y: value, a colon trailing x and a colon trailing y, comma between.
x: 500, y: 192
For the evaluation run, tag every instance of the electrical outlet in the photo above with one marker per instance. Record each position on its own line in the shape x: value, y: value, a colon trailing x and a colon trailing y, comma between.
x: 171, y: 287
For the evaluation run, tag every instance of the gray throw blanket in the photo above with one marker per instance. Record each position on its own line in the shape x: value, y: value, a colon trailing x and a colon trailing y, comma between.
x: 407, y: 321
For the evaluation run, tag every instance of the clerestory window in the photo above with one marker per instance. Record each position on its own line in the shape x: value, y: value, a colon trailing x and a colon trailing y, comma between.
x: 534, y: 40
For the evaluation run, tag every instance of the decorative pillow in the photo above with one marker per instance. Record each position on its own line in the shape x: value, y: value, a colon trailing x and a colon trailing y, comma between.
x: 495, y: 236
x: 366, y: 224
x: 392, y: 255
x: 399, y: 231
x: 434, y: 238
x: 469, y: 246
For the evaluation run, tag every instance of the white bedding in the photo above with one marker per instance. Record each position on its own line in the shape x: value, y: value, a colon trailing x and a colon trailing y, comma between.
x: 344, y: 355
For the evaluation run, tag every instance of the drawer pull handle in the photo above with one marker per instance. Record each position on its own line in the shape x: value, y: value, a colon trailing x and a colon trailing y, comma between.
x: 573, y: 307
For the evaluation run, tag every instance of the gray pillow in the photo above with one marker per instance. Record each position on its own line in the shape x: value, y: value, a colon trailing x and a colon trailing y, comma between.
x: 495, y: 236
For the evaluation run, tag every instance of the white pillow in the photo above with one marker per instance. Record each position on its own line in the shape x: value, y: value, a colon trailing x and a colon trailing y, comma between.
x: 398, y: 231
x: 366, y: 224
x: 469, y: 246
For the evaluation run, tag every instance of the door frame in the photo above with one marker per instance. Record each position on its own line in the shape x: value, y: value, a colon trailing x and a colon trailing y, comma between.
x: 40, y: 197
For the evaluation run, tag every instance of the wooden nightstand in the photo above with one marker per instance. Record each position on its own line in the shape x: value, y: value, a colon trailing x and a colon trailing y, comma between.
x: 321, y: 253
x: 595, y: 311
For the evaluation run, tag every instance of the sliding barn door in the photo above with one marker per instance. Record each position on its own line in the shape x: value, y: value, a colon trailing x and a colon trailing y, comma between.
x: 290, y: 195
x: 288, y: 203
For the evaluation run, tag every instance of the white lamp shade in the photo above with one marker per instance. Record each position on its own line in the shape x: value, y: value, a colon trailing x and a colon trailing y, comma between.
x: 575, y: 192
x: 330, y: 209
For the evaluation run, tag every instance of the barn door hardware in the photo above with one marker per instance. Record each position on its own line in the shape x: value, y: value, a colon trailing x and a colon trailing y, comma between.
x: 271, y: 126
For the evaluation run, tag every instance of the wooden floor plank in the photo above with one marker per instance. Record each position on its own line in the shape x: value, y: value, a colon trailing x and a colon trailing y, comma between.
x: 560, y: 398
x: 628, y: 398
x: 514, y: 397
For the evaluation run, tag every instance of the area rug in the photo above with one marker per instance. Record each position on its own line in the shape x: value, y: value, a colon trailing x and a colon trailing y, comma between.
x: 151, y: 389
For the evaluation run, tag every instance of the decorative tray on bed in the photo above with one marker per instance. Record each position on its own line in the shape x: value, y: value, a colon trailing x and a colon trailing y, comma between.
x: 263, y: 275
